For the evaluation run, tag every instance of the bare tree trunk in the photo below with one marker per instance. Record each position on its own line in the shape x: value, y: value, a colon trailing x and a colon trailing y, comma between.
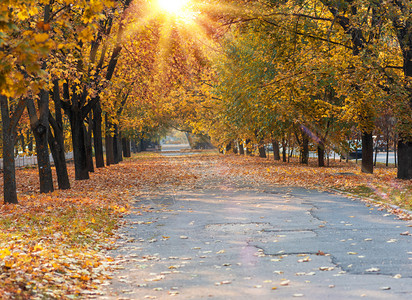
x: 56, y: 140
x: 405, y: 157
x: 367, y: 152
x: 117, y: 144
x: 284, y: 150
x: 387, y: 151
x: 59, y: 160
x: 126, y: 147
x: 276, y: 151
x: 109, y: 144
x: 376, y: 151
x: 235, y: 148
x: 241, y: 149
x: 40, y: 128
x: 9, y: 170
x: 305, y: 148
x: 97, y: 135
x: 88, y: 142
x: 321, y: 155
x: 262, y: 151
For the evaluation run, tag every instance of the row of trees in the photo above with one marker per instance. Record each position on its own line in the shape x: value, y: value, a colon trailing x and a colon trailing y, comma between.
x: 57, y: 59
x: 79, y: 73
x: 316, y: 71
x: 258, y: 71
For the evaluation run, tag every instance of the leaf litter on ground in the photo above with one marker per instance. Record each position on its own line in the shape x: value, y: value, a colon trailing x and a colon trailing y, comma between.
x: 53, y: 245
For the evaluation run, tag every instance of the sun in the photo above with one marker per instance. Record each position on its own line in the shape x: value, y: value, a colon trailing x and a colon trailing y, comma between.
x: 172, y: 6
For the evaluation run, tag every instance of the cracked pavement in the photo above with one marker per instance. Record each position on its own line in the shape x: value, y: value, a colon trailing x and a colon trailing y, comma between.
x: 228, y: 239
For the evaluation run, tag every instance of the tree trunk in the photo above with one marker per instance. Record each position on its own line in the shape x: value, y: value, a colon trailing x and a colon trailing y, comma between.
x: 29, y: 142
x: 40, y: 127
x: 387, y: 149
x: 405, y: 160
x: 134, y: 146
x: 228, y: 147
x: 321, y: 155
x: 59, y: 159
x: 305, y: 148
x: 376, y: 151
x: 248, y: 147
x: 241, y: 149
x: 9, y: 170
x: 262, y: 151
x: 23, y: 143
x: 276, y: 151
x: 117, y: 144
x: 395, y: 149
x: 97, y: 135
x: 284, y: 150
x: 402, y: 22
x: 88, y: 143
x: 56, y: 140
x: 109, y: 144
x: 79, y: 147
x: 126, y: 147
x: 235, y: 147
x: 367, y: 152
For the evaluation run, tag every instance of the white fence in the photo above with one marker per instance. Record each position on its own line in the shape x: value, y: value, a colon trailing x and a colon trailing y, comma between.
x: 24, y: 161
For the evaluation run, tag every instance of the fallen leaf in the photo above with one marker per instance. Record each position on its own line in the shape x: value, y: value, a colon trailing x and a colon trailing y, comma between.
x: 372, y: 270
x: 285, y: 282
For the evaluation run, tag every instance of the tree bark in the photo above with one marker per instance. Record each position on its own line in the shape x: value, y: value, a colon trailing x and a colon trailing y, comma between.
x: 404, y: 160
x: 29, y: 141
x: 79, y: 146
x: 97, y: 135
x: 235, y: 148
x: 9, y: 170
x: 262, y: 151
x: 321, y: 155
x: 126, y: 147
x: 305, y: 148
x: 404, y: 34
x: 40, y: 128
x: 56, y: 140
x: 88, y: 142
x: 109, y: 144
x: 284, y: 150
x: 241, y: 149
x: 117, y: 144
x: 276, y: 151
x: 367, y: 152
x: 134, y: 146
x: 59, y: 158
x: 228, y: 147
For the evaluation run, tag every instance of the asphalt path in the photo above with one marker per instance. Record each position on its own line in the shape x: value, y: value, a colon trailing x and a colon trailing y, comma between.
x: 226, y: 239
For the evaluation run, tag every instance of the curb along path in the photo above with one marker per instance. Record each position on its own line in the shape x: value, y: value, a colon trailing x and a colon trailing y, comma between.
x: 225, y: 238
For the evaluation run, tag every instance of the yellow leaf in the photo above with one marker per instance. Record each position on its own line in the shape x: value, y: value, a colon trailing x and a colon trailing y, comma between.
x: 37, y: 248
x: 8, y: 264
x: 41, y: 37
x: 4, y: 253
x: 85, y: 278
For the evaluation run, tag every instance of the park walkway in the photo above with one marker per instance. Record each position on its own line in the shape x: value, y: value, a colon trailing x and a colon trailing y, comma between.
x: 229, y: 238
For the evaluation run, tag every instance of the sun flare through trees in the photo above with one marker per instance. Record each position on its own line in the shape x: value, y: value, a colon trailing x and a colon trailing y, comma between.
x: 173, y: 6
